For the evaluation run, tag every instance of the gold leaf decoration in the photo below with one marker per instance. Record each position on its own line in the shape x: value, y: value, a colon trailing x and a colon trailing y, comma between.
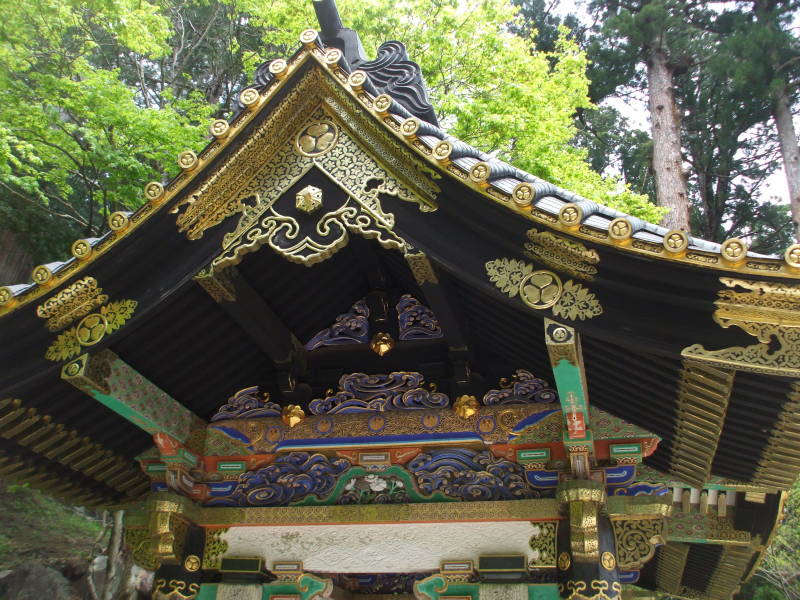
x: 562, y: 254
x: 515, y: 277
x: 577, y: 302
x: 507, y: 274
x: 117, y: 313
x: 65, y: 346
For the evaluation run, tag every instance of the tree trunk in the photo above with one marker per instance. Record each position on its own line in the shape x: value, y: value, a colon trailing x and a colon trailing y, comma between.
x: 114, y: 549
x: 782, y: 112
x: 666, y: 132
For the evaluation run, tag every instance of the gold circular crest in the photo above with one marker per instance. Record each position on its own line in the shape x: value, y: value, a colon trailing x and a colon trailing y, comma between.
x: 734, y: 250
x: 676, y: 241
x: 540, y: 289
x: 620, y: 229
x: 564, y: 561
x: 560, y: 334
x: 570, y: 215
x: 317, y: 139
x: 410, y: 126
x: 249, y: 97
x: 383, y: 102
x: 192, y: 563
x: 117, y: 221
x: 5, y: 295
x: 219, y: 128
x: 792, y: 255
x: 357, y: 79
x: 333, y: 56
x: 607, y: 560
x: 187, y: 160
x: 442, y: 150
x: 73, y: 368
x: 480, y: 172
x: 81, y: 249
x: 91, y: 329
x: 278, y: 66
x: 309, y: 36
x: 41, y: 274
x: 523, y: 194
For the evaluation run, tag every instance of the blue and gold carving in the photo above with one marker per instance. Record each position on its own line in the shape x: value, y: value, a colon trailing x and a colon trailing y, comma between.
x: 522, y: 388
x: 360, y: 392
x: 416, y: 321
x: 290, y: 477
x: 470, y: 475
x: 248, y: 403
x: 350, y: 328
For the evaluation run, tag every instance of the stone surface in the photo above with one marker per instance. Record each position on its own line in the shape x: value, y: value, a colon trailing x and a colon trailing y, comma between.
x: 35, y: 581
x: 376, y: 548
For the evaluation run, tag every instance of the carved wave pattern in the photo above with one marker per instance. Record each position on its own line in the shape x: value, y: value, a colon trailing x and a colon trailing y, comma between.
x: 248, y: 403
x: 289, y: 478
x: 392, y: 73
x: 416, y: 321
x: 350, y: 328
x: 359, y: 392
x: 470, y: 475
x: 523, y: 389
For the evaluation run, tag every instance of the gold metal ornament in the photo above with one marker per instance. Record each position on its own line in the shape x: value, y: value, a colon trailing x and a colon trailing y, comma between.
x: 219, y: 128
x: 466, y: 406
x: 442, y: 150
x: 71, y: 303
x: 570, y: 215
x: 292, y: 415
x: 383, y: 103
x: 317, y: 138
x: 279, y: 68
x: 562, y: 254
x: 608, y: 561
x: 357, y: 79
x: 154, y: 190
x: 480, y: 172
x: 569, y: 300
x: 308, y: 37
x: 523, y: 194
x: 41, y: 274
x: 249, y: 98
x: 543, y: 545
x: 676, y: 241
x: 381, y: 343
x: 768, y: 311
x: 333, y: 56
x: 187, y: 160
x: 91, y: 329
x: 309, y: 199
x: 410, y: 126
x: 540, y: 289
x: 734, y: 250
x: 620, y: 230
x: 192, y: 563
x: 792, y: 256
x: 81, y: 249
x: 421, y: 268
x: 118, y: 221
x: 564, y: 561
x: 6, y: 295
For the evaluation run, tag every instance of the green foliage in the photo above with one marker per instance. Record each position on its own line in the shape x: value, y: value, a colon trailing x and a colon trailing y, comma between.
x: 98, y: 98
x: 42, y: 528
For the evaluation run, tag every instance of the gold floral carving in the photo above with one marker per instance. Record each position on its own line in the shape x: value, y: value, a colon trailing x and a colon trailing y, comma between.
x: 215, y: 547
x: 543, y: 544
x: 90, y: 330
x: 600, y: 590
x: 175, y: 590
x: 768, y: 311
x: 543, y: 289
x: 71, y: 303
x: 636, y: 541
x: 562, y: 254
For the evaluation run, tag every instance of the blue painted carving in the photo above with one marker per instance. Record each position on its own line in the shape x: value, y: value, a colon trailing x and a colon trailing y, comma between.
x: 470, y: 475
x: 291, y: 477
x: 640, y: 488
x: 350, y: 328
x: 522, y: 389
x: 359, y: 392
x: 416, y: 321
x: 248, y: 403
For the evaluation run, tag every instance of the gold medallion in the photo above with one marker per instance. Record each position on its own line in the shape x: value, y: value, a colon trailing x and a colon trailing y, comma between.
x: 607, y: 560
x: 564, y: 561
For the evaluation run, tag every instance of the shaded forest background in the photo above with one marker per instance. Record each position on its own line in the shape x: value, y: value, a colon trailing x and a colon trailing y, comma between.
x: 98, y: 98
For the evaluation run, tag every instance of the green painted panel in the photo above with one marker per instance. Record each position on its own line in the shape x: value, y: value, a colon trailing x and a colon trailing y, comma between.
x: 543, y: 591
x: 208, y: 591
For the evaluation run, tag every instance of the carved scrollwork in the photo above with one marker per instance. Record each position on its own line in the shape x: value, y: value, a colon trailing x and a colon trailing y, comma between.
x: 637, y: 541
